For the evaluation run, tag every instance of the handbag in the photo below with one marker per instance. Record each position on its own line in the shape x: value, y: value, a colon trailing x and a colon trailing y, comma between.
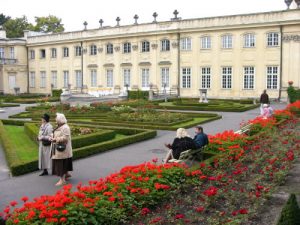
x: 46, y: 142
x: 61, y: 147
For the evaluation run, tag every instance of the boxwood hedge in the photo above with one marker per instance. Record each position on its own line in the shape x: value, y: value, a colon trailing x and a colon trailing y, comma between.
x: 18, y: 167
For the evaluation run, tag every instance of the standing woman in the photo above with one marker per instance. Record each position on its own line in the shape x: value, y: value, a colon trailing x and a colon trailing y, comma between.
x: 44, y: 136
x: 61, y: 150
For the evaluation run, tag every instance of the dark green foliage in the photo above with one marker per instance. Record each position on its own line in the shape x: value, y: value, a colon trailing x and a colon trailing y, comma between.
x: 104, y: 146
x: 138, y: 94
x: 3, y: 19
x: 293, y: 94
x: 290, y: 214
x: 56, y: 92
x: 13, y: 122
x: 89, y: 139
x: 31, y: 130
x: 90, y: 144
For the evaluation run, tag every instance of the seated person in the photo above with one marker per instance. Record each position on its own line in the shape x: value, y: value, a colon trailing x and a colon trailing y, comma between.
x: 181, y: 143
x: 200, y: 138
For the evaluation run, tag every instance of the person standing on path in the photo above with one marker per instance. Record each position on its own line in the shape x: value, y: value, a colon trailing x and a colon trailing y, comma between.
x: 45, y: 145
x: 62, y: 152
x: 264, y: 99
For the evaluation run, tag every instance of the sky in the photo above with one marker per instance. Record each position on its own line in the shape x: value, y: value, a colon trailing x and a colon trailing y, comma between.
x: 74, y: 12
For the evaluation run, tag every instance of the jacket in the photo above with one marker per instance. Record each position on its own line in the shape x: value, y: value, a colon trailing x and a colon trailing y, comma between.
x: 181, y: 144
x: 200, y: 140
x: 62, y: 134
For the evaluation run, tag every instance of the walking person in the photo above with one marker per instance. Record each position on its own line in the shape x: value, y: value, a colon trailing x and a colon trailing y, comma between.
x: 264, y: 99
x: 44, y: 137
x: 61, y: 150
x: 200, y: 138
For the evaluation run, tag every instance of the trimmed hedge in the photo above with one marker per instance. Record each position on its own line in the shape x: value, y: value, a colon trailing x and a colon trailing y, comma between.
x: 290, y: 214
x: 31, y: 130
x: 14, y: 122
x: 138, y: 94
x: 89, y: 139
x: 8, y: 105
x: 153, y: 126
x: 199, y: 108
x: 16, y: 167
x: 108, y: 145
x: 19, y: 168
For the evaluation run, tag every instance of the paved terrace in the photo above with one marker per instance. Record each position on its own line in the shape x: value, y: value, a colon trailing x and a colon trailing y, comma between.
x: 94, y: 167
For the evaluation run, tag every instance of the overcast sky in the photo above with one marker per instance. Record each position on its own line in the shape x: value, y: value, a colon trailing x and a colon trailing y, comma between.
x: 74, y: 12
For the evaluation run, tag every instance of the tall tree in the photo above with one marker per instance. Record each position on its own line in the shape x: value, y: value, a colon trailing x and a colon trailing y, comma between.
x: 15, y: 27
x: 49, y: 24
x: 3, y: 19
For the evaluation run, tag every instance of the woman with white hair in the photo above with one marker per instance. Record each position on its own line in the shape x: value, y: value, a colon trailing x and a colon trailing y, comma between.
x: 61, y: 150
x: 181, y: 143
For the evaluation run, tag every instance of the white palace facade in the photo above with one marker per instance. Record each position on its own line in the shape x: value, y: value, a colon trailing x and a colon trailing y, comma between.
x: 234, y: 56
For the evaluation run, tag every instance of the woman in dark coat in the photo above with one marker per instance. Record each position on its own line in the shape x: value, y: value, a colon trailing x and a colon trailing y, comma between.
x: 181, y: 143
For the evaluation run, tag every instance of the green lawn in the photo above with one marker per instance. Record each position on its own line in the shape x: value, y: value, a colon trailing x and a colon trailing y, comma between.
x: 25, y: 148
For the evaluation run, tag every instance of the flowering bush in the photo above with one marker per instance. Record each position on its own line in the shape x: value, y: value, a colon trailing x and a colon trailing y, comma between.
x: 151, y: 115
x: 105, y: 201
x: 225, y: 141
x: 122, y: 109
x: 230, y: 190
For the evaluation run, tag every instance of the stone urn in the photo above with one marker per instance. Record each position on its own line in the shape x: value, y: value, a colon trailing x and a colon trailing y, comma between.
x: 298, y: 3
x: 288, y: 3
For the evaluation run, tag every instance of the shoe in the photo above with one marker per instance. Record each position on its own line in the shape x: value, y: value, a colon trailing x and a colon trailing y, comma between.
x: 60, y: 183
x: 44, y: 173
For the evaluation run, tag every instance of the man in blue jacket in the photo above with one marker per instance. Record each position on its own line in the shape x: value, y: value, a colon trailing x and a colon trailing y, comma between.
x: 200, y: 138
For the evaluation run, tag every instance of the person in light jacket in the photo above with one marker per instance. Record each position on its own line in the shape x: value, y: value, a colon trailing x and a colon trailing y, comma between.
x: 62, y: 160
x: 44, y: 136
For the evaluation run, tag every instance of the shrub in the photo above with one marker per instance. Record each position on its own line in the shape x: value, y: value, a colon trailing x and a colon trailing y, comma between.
x: 90, y: 139
x: 56, y: 92
x: 290, y: 214
x: 32, y: 130
x: 138, y: 94
x: 293, y: 94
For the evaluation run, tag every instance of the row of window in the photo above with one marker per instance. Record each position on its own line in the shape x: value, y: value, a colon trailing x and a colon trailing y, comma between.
x: 185, y: 44
x: 145, y: 76
x: 186, y: 74
x: 272, y: 77
x: 11, y: 52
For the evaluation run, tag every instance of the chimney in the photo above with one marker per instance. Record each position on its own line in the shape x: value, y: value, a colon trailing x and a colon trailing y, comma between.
x: 2, y: 32
x: 26, y: 33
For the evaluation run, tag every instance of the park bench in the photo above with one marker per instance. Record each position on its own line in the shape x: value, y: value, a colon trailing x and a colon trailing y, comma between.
x: 244, y: 129
x: 189, y: 155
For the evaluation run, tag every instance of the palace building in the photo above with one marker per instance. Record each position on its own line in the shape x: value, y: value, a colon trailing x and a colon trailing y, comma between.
x: 235, y: 56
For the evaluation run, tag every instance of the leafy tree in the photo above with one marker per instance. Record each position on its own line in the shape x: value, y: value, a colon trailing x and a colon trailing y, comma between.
x: 15, y: 27
x: 49, y: 24
x: 3, y: 19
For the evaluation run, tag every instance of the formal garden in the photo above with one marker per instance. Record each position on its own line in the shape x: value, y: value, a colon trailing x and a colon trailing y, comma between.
x: 117, y: 114
x: 232, y: 186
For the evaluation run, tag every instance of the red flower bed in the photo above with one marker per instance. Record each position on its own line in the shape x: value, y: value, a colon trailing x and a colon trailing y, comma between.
x: 226, y: 190
x: 105, y: 201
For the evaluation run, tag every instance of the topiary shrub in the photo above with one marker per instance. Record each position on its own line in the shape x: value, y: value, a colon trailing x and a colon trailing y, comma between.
x: 290, y: 214
x: 293, y: 94
x: 56, y: 92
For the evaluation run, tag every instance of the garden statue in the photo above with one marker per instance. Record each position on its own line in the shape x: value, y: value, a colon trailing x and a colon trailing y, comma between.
x: 203, y: 92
